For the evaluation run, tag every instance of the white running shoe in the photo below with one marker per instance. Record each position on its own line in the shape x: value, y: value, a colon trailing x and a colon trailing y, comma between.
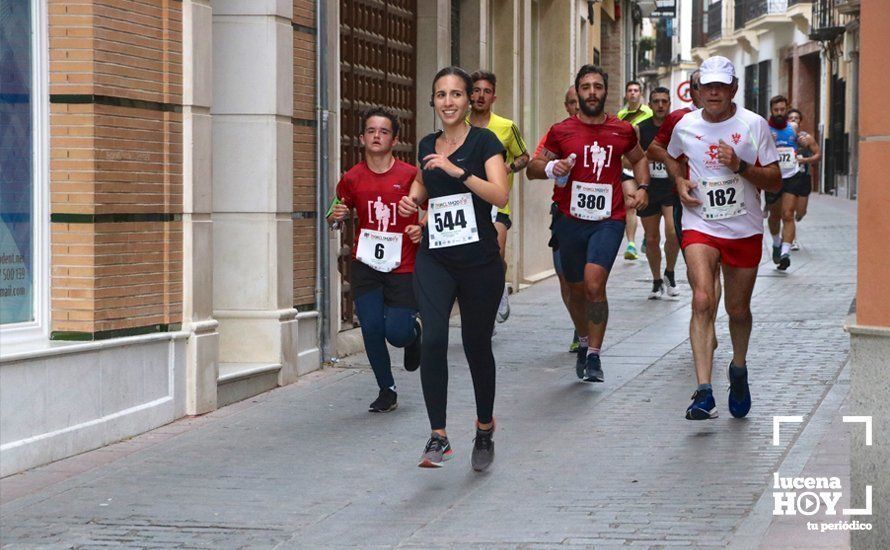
x: 794, y: 245
x: 672, y: 290
x: 657, y: 291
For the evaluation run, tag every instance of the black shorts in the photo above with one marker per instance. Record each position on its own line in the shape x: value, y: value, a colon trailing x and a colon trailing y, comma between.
x: 504, y: 219
x: 795, y: 185
x: 660, y: 194
x: 801, y: 185
x: 678, y: 220
x: 555, y: 214
x: 398, y: 288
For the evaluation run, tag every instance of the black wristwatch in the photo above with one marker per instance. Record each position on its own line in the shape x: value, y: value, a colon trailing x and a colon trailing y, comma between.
x: 742, y: 166
x: 465, y: 176
x: 644, y: 187
x: 512, y: 168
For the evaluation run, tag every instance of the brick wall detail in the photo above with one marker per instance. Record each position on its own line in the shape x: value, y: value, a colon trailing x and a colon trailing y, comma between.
x: 305, y: 177
x: 115, y: 164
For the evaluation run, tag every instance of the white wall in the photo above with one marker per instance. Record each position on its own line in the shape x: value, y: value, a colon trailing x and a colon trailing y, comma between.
x: 71, y: 398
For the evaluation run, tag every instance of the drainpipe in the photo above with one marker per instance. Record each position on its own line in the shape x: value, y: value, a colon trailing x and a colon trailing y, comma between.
x: 322, y: 194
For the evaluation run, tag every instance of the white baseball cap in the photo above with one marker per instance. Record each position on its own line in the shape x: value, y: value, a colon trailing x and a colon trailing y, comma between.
x: 717, y: 69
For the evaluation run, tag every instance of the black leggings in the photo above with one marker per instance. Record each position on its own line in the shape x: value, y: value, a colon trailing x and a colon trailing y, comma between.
x: 478, y: 290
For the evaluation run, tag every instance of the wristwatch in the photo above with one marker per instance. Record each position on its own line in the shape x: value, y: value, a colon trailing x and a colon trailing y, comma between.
x: 465, y: 176
x: 644, y: 187
x: 742, y: 166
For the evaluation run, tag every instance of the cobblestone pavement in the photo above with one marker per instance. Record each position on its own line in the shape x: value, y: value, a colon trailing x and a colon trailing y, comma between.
x: 578, y: 465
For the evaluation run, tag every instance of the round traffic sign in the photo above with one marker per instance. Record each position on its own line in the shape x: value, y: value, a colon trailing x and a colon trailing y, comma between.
x: 684, y: 92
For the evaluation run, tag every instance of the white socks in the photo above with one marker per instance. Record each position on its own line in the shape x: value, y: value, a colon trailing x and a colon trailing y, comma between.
x: 777, y: 240
x: 786, y: 248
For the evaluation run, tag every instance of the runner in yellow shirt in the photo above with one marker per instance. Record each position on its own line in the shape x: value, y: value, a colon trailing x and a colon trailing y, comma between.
x: 484, y: 95
x: 634, y: 112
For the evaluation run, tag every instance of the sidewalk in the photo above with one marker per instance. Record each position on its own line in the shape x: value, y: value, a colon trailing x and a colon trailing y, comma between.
x: 606, y: 465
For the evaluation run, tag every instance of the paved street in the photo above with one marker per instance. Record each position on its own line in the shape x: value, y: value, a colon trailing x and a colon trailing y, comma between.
x: 606, y: 465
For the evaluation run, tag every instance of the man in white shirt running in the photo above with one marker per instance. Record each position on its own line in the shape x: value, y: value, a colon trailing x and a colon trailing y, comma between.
x: 721, y: 157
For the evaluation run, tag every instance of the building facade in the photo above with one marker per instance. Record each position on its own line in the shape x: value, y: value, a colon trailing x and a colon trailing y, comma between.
x: 804, y: 50
x: 164, y: 169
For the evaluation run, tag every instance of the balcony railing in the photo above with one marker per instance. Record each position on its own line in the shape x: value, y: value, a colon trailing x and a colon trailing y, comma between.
x: 746, y: 10
x: 715, y: 21
x: 826, y: 23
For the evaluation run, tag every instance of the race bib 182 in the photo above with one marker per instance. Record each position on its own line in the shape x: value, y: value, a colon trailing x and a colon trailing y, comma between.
x: 723, y: 197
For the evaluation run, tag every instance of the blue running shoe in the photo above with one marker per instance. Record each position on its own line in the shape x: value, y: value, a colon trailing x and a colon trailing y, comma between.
x: 739, y: 395
x: 593, y: 370
x: 581, y: 362
x: 703, y: 406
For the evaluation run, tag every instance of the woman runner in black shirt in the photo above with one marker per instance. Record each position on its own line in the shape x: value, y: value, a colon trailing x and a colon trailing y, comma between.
x: 461, y: 176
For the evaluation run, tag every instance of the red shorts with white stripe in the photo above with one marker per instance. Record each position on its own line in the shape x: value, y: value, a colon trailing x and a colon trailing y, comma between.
x: 733, y: 252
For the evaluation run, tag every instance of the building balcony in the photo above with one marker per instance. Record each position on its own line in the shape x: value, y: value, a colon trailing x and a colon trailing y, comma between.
x: 759, y: 15
x: 828, y: 22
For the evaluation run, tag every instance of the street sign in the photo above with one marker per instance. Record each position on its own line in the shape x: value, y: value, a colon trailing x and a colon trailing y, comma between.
x: 664, y: 8
x: 683, y: 92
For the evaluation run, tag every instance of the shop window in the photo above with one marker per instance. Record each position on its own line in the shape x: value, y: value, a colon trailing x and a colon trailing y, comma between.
x: 23, y: 220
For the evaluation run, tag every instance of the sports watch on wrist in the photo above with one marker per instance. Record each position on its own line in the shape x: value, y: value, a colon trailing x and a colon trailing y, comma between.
x: 644, y: 187
x: 465, y: 176
x: 742, y: 166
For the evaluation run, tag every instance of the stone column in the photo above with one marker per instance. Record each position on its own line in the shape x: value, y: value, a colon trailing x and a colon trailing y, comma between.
x: 870, y: 331
x: 253, y: 185
x: 433, y: 20
x: 197, y: 226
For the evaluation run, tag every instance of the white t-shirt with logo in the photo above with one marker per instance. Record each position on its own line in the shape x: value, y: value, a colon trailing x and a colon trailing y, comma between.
x: 730, y: 203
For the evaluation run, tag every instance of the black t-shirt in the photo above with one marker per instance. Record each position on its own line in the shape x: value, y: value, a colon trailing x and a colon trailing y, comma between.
x: 648, y: 131
x: 480, y: 145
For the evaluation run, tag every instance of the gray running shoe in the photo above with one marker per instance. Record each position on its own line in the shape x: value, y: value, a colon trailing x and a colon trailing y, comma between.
x: 580, y: 361
x: 593, y: 369
x: 483, y: 449
x: 436, y: 452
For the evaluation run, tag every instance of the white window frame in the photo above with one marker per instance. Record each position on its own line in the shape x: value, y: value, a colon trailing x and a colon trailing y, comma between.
x: 38, y: 328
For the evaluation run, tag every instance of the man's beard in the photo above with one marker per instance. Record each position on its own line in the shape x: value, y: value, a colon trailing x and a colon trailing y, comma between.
x: 593, y: 111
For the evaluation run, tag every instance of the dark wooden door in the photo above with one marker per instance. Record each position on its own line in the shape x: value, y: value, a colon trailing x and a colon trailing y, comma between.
x: 378, y: 44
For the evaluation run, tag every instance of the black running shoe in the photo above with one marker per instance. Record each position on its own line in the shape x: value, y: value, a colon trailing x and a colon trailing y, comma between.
x: 436, y: 452
x: 784, y: 262
x: 581, y: 362
x: 412, y: 350
x: 386, y: 401
x: 777, y: 254
x: 483, y: 449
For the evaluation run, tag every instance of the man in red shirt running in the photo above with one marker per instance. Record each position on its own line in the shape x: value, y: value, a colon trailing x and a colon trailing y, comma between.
x: 583, y: 154
x: 383, y: 254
